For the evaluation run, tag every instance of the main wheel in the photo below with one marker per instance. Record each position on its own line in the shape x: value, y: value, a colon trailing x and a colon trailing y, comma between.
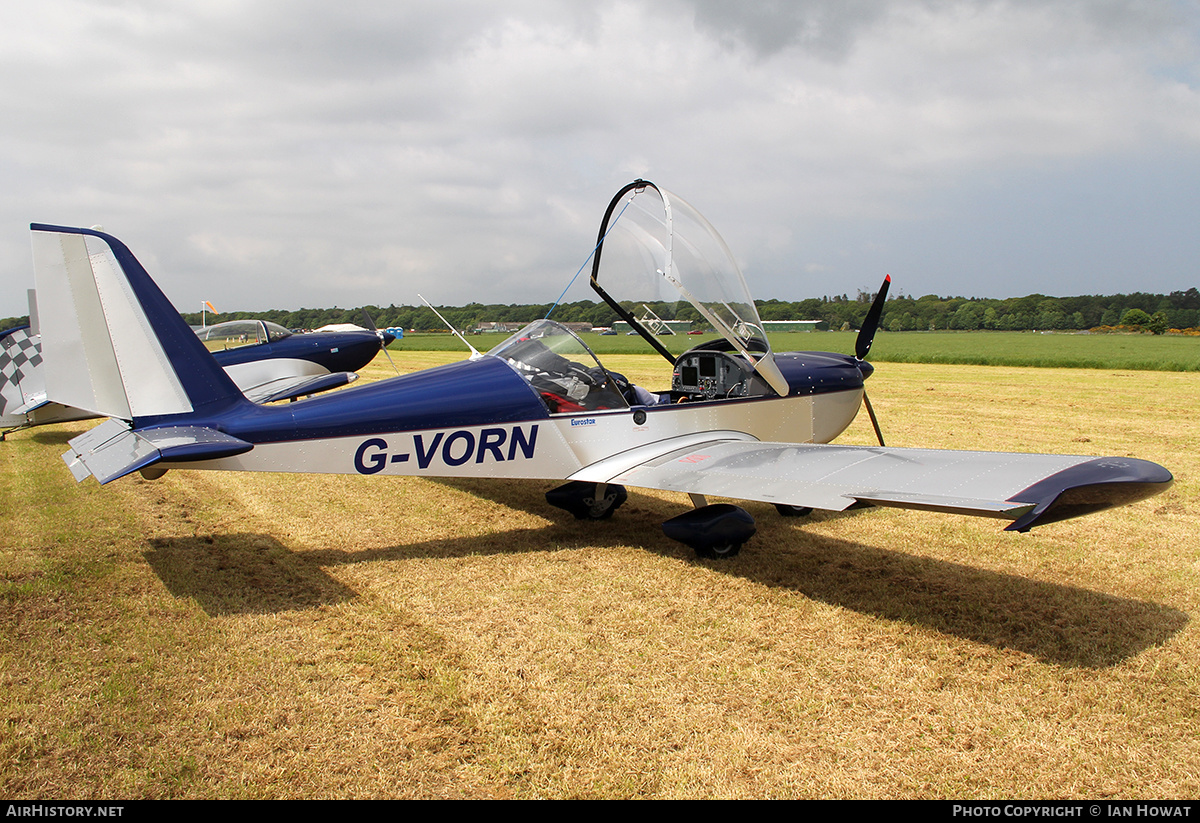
x: 715, y: 531
x: 720, y: 552
x: 792, y: 511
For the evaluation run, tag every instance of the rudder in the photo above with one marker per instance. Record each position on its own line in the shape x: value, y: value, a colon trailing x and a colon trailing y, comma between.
x: 111, y: 341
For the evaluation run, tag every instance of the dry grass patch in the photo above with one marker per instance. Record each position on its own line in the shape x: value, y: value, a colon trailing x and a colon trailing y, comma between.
x: 224, y: 635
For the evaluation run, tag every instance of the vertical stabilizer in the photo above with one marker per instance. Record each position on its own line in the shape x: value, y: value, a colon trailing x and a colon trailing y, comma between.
x: 111, y: 341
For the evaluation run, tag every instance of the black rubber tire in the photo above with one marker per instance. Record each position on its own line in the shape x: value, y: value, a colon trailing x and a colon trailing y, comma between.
x: 720, y: 552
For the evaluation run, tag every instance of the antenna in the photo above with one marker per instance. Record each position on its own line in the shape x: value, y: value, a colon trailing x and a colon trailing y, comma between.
x: 475, y: 355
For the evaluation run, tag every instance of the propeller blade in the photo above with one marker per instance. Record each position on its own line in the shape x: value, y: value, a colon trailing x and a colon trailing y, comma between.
x: 866, y: 335
x: 871, y: 324
x: 370, y: 323
x: 388, y: 355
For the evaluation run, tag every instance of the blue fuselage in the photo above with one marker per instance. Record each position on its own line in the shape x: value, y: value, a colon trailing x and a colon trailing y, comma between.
x: 481, y: 392
x: 333, y: 350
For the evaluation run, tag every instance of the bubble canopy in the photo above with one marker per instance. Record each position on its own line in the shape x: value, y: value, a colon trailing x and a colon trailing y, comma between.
x: 241, y: 333
x: 655, y: 247
x: 561, y: 368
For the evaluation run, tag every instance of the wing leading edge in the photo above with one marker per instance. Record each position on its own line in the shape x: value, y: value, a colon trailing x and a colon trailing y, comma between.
x: 1028, y: 489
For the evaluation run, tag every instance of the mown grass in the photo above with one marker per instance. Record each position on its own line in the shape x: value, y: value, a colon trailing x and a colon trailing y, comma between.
x: 1142, y: 352
x: 227, y: 635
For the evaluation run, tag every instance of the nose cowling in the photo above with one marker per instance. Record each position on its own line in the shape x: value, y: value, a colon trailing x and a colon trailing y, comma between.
x: 818, y: 372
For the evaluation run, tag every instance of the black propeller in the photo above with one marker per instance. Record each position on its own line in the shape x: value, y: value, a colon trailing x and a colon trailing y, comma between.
x: 871, y: 324
x: 862, y: 345
x: 383, y: 341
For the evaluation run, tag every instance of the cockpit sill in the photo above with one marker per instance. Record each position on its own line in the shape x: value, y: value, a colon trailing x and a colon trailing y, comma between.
x: 569, y: 378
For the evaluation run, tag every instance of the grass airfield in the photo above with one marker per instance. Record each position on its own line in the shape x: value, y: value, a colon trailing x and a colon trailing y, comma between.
x: 270, y: 635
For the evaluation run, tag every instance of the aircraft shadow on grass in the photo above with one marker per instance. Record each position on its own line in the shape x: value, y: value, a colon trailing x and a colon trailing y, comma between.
x: 1056, y: 623
x: 1067, y: 625
x: 242, y: 574
x: 54, y: 438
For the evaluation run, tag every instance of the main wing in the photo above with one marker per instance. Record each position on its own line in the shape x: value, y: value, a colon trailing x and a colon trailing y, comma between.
x: 1028, y: 489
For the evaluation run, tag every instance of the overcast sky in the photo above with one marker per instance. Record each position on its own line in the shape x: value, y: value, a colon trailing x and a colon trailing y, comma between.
x: 306, y: 153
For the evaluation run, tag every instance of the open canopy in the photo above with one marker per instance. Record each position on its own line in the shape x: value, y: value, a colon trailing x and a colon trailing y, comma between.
x: 655, y: 247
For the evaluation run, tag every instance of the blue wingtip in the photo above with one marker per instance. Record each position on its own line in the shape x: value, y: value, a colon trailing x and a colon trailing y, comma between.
x: 1090, y: 487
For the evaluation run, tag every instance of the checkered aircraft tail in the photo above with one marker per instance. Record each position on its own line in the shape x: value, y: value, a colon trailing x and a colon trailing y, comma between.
x: 22, y: 383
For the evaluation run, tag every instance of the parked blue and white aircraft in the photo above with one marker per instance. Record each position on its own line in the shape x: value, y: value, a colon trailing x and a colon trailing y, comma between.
x: 737, y: 420
x: 266, y: 362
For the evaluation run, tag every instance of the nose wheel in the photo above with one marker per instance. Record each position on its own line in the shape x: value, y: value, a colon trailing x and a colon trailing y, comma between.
x: 588, y: 501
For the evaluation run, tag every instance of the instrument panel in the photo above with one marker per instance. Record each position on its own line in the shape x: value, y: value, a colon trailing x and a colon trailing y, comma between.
x: 712, y: 375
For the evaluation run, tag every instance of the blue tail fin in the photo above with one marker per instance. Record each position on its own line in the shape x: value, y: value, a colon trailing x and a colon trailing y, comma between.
x: 112, y: 342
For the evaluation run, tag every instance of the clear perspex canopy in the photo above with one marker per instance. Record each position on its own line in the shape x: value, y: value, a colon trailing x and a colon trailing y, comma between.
x: 560, y: 367
x: 234, y: 333
x: 657, y: 248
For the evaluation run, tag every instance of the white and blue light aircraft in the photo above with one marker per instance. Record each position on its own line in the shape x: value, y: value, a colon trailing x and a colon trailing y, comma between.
x: 737, y: 421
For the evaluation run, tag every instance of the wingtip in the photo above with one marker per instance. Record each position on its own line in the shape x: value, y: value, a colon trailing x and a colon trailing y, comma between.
x: 1092, y: 486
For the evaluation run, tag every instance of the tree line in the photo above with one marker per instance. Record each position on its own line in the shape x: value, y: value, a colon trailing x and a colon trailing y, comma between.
x: 1157, y: 312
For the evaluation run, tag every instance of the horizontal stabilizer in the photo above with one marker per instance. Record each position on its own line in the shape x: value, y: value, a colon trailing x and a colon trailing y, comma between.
x: 112, y: 450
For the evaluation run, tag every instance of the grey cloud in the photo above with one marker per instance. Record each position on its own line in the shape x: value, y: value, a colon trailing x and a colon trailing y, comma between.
x: 826, y: 28
x: 830, y: 29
